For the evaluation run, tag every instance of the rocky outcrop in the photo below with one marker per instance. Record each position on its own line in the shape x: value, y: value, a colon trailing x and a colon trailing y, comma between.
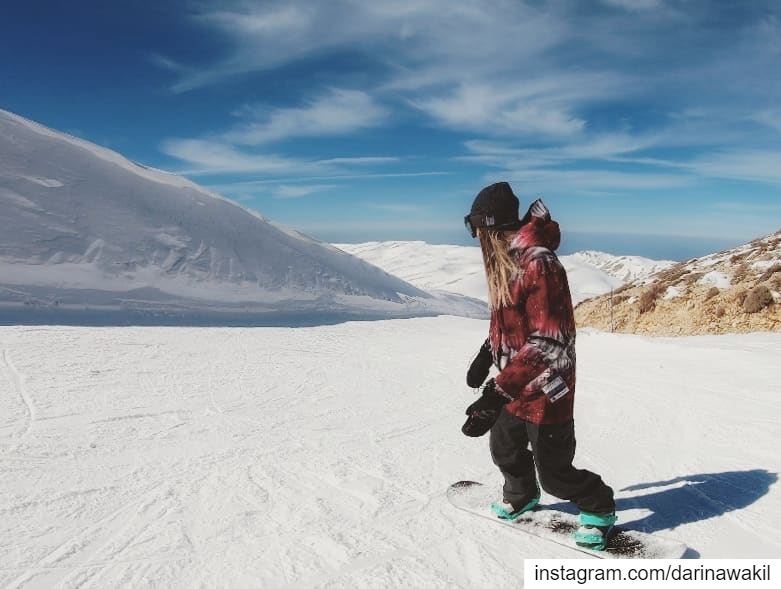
x: 733, y: 291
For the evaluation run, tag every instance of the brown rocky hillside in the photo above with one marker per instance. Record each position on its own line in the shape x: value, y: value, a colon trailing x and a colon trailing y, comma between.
x: 737, y: 290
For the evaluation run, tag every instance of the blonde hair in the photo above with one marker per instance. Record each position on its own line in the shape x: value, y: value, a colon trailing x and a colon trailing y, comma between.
x: 500, y: 268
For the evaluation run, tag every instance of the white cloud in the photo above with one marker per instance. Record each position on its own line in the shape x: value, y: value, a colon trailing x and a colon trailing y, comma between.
x: 166, y: 63
x: 251, y: 186
x: 600, y: 147
x: 497, y: 111
x: 549, y: 180
x: 770, y: 118
x: 297, y: 191
x: 560, y: 168
x: 552, y: 81
x: 753, y: 165
x: 278, y: 20
x: 422, y: 33
x: 533, y: 102
x: 361, y: 161
x: 446, y: 57
x: 338, y: 112
x: 215, y: 156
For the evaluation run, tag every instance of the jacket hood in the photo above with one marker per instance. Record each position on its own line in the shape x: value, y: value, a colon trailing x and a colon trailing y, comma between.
x: 538, y: 229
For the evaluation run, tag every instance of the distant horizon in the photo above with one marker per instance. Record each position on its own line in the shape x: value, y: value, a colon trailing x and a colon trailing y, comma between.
x: 656, y: 247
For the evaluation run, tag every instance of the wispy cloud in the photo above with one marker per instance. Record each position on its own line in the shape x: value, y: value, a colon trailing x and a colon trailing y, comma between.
x: 598, y: 147
x: 337, y: 112
x: 166, y: 63
x: 216, y: 157
x: 357, y: 176
x: 752, y: 165
x: 599, y: 181
x: 300, y: 190
x: 625, y: 96
x: 500, y: 67
x: 204, y: 157
x: 360, y: 161
x: 770, y: 118
x: 502, y: 112
x: 585, y: 166
x: 429, y: 33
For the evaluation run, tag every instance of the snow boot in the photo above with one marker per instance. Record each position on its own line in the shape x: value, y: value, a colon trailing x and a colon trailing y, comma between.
x: 594, y: 531
x: 508, y: 511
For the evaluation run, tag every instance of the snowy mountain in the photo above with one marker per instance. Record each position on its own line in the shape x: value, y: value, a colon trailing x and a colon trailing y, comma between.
x: 625, y: 268
x: 84, y: 230
x: 460, y: 268
x: 453, y: 268
x: 736, y: 290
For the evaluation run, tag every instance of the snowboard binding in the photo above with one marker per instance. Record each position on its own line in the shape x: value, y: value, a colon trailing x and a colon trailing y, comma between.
x: 594, y: 531
x: 506, y: 511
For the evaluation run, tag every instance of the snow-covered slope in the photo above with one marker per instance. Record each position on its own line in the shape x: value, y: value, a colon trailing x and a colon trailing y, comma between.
x: 453, y: 268
x: 81, y: 226
x: 625, y: 268
x: 460, y: 268
x: 319, y: 457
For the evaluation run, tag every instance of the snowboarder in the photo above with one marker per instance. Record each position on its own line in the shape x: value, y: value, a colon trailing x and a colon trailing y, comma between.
x: 532, y: 344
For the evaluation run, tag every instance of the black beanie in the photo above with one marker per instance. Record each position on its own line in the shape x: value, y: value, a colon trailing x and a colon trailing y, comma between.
x: 495, y: 207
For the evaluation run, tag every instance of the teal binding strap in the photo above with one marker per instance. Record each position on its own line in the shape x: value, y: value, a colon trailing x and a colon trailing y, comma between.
x: 597, y: 519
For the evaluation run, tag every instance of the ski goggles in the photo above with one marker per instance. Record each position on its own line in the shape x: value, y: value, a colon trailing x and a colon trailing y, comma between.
x: 475, y: 222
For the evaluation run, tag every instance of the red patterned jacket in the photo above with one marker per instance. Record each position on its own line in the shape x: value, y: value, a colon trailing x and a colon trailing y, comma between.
x: 533, y: 340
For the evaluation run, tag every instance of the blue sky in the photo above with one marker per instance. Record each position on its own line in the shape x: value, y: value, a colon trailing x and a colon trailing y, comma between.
x: 358, y: 120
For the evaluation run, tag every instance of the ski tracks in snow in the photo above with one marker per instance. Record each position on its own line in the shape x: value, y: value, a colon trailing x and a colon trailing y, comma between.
x: 312, y: 457
x: 17, y: 382
x: 84, y: 556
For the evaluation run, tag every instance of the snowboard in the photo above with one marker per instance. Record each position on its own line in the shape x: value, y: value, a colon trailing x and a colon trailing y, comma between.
x: 558, y: 526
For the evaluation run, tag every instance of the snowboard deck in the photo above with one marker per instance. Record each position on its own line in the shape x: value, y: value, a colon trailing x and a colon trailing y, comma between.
x: 558, y: 526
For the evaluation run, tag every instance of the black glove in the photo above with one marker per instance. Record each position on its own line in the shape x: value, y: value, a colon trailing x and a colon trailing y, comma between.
x: 483, y: 413
x: 481, y: 365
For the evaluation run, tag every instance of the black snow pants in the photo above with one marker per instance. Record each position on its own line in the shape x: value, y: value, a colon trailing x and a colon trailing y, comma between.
x: 552, y: 449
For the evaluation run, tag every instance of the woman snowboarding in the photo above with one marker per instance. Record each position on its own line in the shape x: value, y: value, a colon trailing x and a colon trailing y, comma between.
x: 532, y: 344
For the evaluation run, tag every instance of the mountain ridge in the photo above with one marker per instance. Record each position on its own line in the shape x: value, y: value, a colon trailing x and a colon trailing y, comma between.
x: 85, y: 226
x: 731, y: 291
x: 460, y: 268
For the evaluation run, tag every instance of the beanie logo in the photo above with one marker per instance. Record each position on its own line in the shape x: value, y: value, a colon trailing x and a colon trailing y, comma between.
x: 489, y: 221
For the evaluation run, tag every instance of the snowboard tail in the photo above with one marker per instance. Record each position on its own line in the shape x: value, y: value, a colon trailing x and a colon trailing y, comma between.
x: 559, y: 527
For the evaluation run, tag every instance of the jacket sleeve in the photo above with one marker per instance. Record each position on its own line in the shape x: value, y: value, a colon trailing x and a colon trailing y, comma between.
x: 543, y: 293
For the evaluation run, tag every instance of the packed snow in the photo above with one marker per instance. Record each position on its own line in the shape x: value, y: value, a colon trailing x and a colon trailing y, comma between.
x: 86, y: 234
x: 319, y: 457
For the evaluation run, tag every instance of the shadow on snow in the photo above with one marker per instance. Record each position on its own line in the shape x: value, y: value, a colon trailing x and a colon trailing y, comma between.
x: 696, y: 497
x: 692, y: 498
